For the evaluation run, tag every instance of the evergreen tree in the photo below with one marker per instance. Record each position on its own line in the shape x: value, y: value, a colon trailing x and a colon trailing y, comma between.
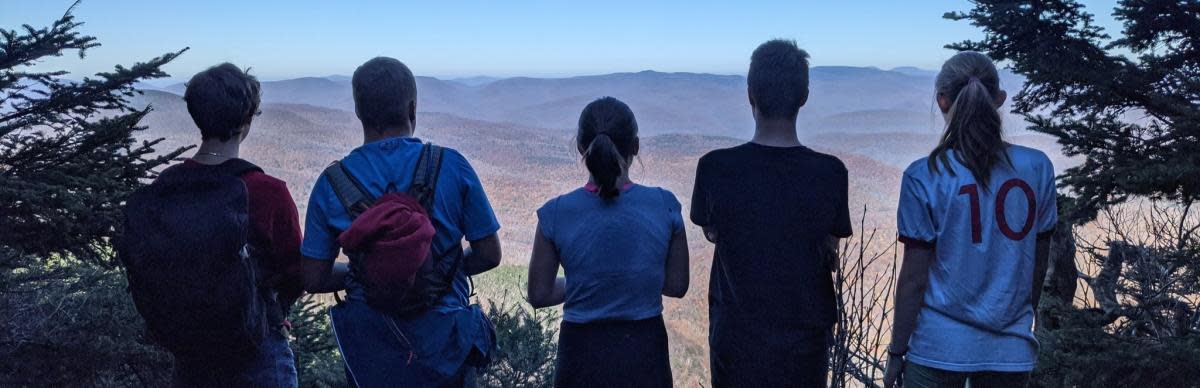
x: 67, y: 153
x: 68, y: 159
x: 1130, y: 108
x: 318, y: 361
x: 1136, y: 121
x: 527, y: 347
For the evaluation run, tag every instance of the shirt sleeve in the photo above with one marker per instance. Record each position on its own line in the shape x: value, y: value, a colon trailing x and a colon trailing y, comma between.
x: 273, y: 220
x: 546, y: 217
x: 841, y: 222
x: 914, y: 218
x: 320, y: 241
x: 276, y: 229
x: 1047, y: 208
x: 674, y: 210
x: 478, y: 220
x: 286, y: 230
x: 701, y: 212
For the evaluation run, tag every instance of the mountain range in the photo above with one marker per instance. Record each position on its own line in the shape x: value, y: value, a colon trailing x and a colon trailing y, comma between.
x: 842, y: 99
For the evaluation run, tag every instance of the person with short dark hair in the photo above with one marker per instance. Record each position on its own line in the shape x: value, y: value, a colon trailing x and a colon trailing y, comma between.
x: 775, y: 209
x: 223, y: 101
x: 386, y: 341
x: 623, y: 248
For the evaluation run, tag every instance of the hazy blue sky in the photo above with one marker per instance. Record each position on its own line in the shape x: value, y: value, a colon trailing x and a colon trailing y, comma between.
x: 282, y: 39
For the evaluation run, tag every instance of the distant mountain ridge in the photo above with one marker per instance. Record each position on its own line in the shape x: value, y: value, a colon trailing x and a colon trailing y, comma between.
x: 842, y: 99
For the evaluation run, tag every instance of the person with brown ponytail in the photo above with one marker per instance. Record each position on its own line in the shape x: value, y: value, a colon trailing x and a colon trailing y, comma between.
x: 975, y: 217
x: 622, y: 247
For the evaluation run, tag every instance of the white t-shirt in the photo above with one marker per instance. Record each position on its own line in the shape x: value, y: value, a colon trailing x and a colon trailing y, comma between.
x: 978, y: 312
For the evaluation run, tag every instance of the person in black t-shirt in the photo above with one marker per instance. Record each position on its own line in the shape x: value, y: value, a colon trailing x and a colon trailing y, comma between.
x: 775, y: 209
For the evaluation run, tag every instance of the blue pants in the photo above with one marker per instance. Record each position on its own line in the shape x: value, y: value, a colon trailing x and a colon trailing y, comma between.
x: 275, y: 367
x: 434, y: 349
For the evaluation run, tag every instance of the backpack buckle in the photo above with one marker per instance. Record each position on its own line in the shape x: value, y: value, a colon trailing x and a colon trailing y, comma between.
x: 359, y: 207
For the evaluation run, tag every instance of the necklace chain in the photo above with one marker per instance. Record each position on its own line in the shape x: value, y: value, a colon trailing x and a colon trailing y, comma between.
x: 212, y: 154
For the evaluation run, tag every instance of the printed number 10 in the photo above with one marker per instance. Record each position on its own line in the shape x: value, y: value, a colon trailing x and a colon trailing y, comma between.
x: 972, y: 191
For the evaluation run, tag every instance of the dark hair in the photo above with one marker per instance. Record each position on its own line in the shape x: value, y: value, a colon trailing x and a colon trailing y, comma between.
x: 973, y: 121
x: 606, y: 139
x: 778, y: 79
x: 384, y: 89
x: 221, y: 100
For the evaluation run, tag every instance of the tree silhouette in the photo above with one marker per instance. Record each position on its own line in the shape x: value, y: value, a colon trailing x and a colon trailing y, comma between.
x: 67, y: 153
x: 68, y: 159
x: 1136, y: 121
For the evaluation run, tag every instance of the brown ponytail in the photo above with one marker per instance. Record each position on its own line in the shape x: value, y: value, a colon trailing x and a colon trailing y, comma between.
x: 973, y: 126
x: 606, y: 137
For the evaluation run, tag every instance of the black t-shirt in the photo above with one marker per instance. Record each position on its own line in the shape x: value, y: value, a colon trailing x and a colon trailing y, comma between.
x: 774, y: 210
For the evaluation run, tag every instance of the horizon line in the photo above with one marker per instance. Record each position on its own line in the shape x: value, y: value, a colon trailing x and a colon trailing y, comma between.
x: 173, y: 80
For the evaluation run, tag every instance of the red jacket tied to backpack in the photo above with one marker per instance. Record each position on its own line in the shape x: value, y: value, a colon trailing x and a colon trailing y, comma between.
x: 394, y: 236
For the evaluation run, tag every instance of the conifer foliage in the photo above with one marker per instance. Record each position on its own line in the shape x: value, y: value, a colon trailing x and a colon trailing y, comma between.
x: 68, y: 159
x: 1130, y: 106
x: 526, y: 347
x: 318, y: 361
x: 67, y: 153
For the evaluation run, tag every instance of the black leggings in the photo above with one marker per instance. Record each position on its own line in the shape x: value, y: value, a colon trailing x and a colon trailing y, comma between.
x: 613, y: 354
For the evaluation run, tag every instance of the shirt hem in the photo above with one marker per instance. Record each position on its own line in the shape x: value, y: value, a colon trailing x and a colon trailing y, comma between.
x: 608, y: 319
x: 482, y: 235
x: 975, y: 367
x: 916, y: 242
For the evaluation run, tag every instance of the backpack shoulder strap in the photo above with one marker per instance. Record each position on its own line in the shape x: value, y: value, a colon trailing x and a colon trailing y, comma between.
x: 425, y: 175
x: 349, y: 191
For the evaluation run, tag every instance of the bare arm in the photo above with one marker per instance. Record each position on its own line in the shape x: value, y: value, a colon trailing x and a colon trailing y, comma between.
x: 321, y: 276
x: 483, y: 255
x: 546, y: 288
x: 910, y: 294
x: 1041, y: 256
x: 675, y: 283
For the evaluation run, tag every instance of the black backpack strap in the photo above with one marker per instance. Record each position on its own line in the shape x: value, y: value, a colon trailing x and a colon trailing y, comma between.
x: 425, y: 175
x: 350, y: 192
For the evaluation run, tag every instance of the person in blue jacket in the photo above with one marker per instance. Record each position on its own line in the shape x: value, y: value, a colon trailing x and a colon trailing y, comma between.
x: 443, y: 346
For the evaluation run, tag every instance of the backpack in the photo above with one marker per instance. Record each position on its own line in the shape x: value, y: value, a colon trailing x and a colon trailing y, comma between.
x: 435, y: 276
x: 189, y: 265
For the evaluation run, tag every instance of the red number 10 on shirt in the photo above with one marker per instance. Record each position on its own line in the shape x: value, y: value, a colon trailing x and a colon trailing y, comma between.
x: 972, y: 191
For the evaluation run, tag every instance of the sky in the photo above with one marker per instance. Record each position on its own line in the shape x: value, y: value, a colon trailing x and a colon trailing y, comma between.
x: 463, y: 38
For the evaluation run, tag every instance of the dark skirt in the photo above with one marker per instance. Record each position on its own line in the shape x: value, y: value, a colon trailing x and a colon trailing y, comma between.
x: 613, y: 354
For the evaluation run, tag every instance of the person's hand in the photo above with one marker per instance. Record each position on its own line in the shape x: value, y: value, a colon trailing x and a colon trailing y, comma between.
x: 893, y: 371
